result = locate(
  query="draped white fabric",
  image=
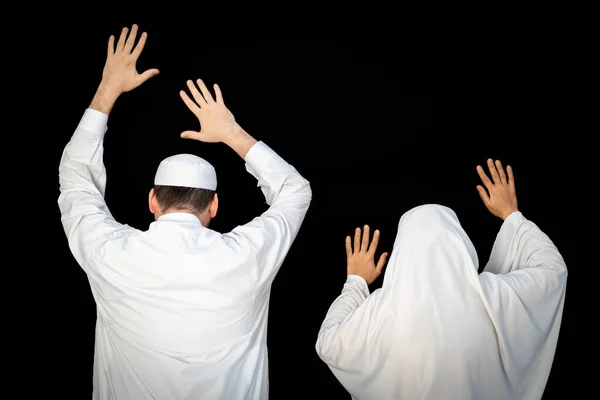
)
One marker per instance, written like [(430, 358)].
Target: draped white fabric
[(437, 329)]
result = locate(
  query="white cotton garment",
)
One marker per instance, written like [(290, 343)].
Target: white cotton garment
[(181, 309), (186, 170), (437, 329)]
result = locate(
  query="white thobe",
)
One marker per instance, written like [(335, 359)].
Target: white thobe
[(181, 309), (437, 329)]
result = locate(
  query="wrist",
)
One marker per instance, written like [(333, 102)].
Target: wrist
[(240, 141), (359, 276), (508, 214), (105, 98)]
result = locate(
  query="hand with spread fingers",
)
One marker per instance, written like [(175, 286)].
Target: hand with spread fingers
[(120, 72), (500, 197), (361, 259), (217, 123)]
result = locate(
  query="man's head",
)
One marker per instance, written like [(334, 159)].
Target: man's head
[(185, 183)]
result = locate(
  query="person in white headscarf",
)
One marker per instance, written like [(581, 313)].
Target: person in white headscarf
[(181, 309), (437, 329)]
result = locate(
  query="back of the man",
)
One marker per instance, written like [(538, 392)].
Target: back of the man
[(179, 314), (181, 310)]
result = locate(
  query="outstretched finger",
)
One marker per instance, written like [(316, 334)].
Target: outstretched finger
[(121, 42), (357, 240), (140, 45), (511, 178), (190, 135), (111, 46), (207, 96), (382, 259), (348, 246), (131, 39), (483, 194), (484, 178), (196, 94), (493, 171), (218, 94), (365, 238), (501, 173), (189, 102), (374, 242), (148, 74)]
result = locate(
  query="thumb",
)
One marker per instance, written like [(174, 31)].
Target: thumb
[(381, 262), (148, 74), (190, 135), (484, 196)]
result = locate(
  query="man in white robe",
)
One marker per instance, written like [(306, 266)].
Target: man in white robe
[(437, 329), (181, 309)]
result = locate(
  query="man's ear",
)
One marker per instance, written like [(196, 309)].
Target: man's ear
[(214, 206), (152, 202)]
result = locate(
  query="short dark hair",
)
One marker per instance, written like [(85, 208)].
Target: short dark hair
[(183, 198)]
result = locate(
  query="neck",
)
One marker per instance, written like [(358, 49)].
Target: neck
[(203, 217)]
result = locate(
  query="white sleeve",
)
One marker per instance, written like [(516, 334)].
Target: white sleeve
[(288, 195), (526, 260), (85, 217), (524, 284), (347, 326)]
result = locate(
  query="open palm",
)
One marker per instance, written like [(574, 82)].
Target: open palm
[(120, 72)]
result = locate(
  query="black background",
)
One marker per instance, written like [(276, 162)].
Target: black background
[(375, 128)]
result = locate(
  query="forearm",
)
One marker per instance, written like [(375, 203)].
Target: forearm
[(338, 332), (288, 195), (536, 249), (104, 99), (521, 244), (81, 166), (240, 141), (355, 291), (82, 178)]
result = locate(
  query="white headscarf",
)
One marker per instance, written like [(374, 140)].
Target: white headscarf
[(439, 330)]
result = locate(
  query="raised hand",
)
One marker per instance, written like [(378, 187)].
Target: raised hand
[(500, 197), (361, 259), (217, 123), (120, 74)]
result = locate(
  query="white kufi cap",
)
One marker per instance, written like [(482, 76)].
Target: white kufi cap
[(186, 170)]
